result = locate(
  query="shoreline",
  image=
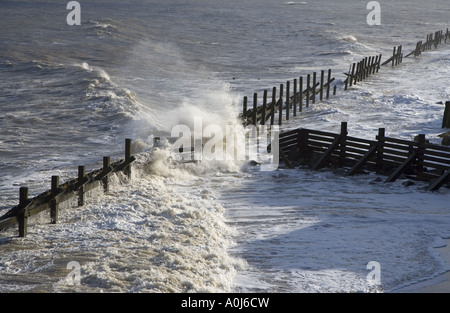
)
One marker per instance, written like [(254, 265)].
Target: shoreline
[(438, 284)]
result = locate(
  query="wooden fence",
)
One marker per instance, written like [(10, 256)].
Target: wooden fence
[(304, 92), (430, 42), (58, 194), (361, 70), (388, 156)]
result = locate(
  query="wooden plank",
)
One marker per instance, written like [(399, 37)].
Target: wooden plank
[(369, 154), (402, 167), (324, 158), (285, 159), (440, 181)]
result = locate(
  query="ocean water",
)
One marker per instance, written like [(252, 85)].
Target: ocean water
[(69, 95)]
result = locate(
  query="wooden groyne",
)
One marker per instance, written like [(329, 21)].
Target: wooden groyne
[(392, 157), (60, 193), (361, 70), (300, 93), (431, 41)]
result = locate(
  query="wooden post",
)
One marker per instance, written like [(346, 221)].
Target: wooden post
[(446, 118), (343, 143), (328, 83), (334, 90), (255, 108), (300, 107), (393, 59), (263, 113), (353, 74), (81, 174), (295, 97), (357, 73), (106, 164), (308, 82), (314, 87), (322, 78), (380, 148), (288, 104), (379, 63), (274, 103), (280, 109), (244, 109), (128, 152), (53, 203), (23, 217), (420, 153), (366, 72)]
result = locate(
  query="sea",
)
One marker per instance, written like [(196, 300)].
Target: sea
[(71, 94)]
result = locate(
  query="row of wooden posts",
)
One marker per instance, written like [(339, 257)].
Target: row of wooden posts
[(418, 160), (361, 70), (59, 193), (430, 42), (304, 92)]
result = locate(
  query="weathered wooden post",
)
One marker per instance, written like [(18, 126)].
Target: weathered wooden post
[(274, 103), (295, 97), (334, 90), (357, 73), (308, 82), (421, 141), (128, 152), (53, 203), (106, 165), (446, 118), (81, 174), (343, 143), (264, 107), (328, 83), (288, 83), (351, 78), (322, 78), (23, 216), (300, 107), (314, 87), (244, 108), (280, 109), (255, 108), (380, 148)]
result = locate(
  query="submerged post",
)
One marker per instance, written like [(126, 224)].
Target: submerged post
[(343, 143), (280, 109), (288, 104), (106, 164), (127, 169), (308, 84), (314, 87), (328, 83), (300, 107), (81, 174), (274, 103), (255, 108), (263, 113), (295, 97), (23, 216), (53, 203)]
